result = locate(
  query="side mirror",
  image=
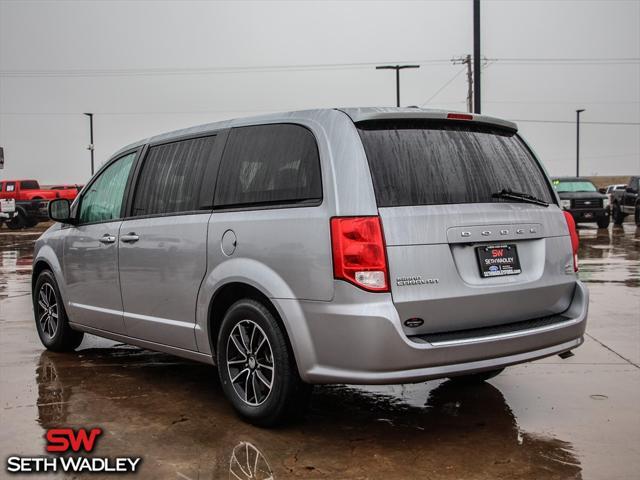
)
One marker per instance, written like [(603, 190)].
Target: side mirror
[(60, 211), (602, 190)]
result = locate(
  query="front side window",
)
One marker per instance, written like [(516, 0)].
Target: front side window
[(563, 186), (103, 201), (171, 177), (269, 165)]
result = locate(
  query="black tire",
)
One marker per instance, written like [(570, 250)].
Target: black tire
[(30, 222), (259, 403), (51, 318), (477, 377), (603, 222), (17, 222), (618, 216)]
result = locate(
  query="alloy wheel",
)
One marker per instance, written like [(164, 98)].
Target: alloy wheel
[(250, 362), (48, 313)]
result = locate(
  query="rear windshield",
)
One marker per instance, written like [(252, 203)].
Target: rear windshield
[(417, 162), (574, 186)]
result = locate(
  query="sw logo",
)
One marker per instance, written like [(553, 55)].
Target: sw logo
[(66, 442), (63, 439)]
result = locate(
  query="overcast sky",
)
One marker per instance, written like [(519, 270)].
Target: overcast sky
[(151, 66)]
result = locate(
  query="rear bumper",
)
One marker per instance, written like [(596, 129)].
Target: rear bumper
[(362, 342)]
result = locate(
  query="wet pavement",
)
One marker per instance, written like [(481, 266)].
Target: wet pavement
[(553, 419)]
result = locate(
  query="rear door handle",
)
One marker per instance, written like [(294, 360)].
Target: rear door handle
[(106, 238), (129, 238)]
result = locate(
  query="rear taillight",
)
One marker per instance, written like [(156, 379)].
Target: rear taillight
[(575, 241), (359, 255)]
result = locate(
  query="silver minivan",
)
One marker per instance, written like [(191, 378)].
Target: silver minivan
[(362, 246)]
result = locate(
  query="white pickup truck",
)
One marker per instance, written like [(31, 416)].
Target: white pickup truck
[(7, 210)]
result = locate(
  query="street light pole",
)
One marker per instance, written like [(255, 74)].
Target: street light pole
[(476, 57), (397, 68), (578, 112), (90, 147)]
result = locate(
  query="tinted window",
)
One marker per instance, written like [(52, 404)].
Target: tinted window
[(574, 186), (29, 185), (269, 164), (171, 177), (429, 163), (103, 200)]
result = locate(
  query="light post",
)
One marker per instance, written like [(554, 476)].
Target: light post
[(397, 68), (90, 147), (578, 112)]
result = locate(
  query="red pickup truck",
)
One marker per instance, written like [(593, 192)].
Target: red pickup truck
[(31, 201), (70, 192)]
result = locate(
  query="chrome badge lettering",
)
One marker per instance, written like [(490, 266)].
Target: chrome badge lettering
[(415, 280)]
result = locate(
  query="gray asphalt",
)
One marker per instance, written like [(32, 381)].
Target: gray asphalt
[(553, 419)]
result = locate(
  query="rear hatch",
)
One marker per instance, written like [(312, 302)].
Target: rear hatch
[(460, 257)]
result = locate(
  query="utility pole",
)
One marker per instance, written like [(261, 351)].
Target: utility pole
[(476, 56), (578, 112), (461, 61), (91, 146), (397, 68)]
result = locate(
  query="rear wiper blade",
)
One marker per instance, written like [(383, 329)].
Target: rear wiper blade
[(521, 197)]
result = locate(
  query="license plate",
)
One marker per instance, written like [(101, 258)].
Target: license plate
[(498, 260), (588, 215)]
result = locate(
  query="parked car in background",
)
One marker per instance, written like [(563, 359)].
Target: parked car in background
[(370, 246), (626, 202), (70, 192), (580, 197), (608, 191), (30, 201)]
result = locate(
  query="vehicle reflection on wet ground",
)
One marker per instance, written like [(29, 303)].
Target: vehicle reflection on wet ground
[(575, 418)]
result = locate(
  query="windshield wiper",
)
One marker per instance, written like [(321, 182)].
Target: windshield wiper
[(519, 196)]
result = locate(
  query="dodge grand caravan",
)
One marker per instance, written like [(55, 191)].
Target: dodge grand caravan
[(363, 246)]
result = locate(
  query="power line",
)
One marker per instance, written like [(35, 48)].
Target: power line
[(572, 122), (575, 102), (202, 71), (570, 59), (447, 83), (115, 72)]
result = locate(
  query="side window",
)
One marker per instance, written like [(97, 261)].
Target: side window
[(103, 201), (269, 165), (171, 176), (10, 187)]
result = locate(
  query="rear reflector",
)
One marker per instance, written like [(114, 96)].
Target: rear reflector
[(575, 240), (459, 116), (359, 255)]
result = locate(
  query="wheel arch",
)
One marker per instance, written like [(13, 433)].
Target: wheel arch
[(46, 259), (225, 296)]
